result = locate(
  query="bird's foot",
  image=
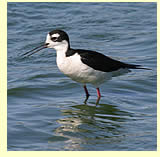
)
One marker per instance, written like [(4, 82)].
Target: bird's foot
[(99, 96), (98, 99), (87, 96)]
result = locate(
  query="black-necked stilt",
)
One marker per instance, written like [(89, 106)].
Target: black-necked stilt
[(83, 66)]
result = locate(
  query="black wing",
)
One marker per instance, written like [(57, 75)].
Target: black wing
[(101, 62)]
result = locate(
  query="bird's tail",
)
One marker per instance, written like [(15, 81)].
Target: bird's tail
[(133, 66)]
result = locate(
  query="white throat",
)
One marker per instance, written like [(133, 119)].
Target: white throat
[(61, 54), (62, 47)]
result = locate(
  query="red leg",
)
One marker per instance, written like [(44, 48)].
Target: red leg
[(98, 93), (99, 96)]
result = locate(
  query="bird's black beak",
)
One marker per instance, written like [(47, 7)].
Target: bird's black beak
[(35, 50)]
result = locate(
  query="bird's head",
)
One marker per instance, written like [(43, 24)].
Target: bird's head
[(56, 39)]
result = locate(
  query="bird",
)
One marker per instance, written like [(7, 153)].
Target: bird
[(81, 65)]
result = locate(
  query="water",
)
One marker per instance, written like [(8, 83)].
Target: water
[(46, 109)]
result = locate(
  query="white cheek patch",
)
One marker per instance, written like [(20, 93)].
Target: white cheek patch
[(55, 35), (48, 38)]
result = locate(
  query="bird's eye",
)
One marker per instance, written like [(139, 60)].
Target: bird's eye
[(54, 38)]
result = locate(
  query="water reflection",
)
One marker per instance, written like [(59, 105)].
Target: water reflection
[(90, 125)]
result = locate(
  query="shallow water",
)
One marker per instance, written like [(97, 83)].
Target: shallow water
[(46, 110)]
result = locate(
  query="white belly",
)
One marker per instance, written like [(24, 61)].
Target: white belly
[(77, 71)]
